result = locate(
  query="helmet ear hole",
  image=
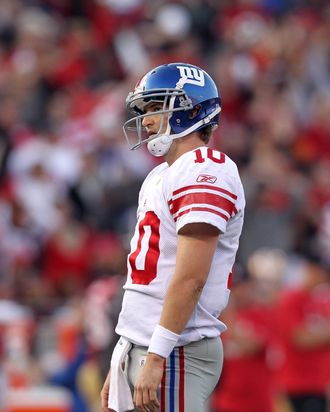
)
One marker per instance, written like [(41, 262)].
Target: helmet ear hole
[(194, 111)]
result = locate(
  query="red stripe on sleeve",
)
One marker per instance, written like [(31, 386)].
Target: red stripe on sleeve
[(211, 199), (216, 189), (201, 209), (181, 383)]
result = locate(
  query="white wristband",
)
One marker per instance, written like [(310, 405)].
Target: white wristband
[(162, 341)]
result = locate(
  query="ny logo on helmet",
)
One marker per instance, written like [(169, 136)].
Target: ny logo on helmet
[(190, 75)]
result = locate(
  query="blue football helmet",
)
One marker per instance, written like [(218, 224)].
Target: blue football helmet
[(190, 102)]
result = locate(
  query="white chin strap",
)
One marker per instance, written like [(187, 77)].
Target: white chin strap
[(159, 146)]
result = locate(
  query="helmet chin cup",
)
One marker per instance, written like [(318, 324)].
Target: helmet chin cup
[(160, 145)]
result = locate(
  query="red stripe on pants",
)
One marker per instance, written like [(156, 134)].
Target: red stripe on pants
[(181, 382)]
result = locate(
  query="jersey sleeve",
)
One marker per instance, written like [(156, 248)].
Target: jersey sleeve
[(207, 192)]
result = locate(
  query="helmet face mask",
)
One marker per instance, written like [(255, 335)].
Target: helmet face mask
[(136, 104), (180, 88)]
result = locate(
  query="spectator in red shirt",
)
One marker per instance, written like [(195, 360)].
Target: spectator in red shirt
[(67, 257), (246, 383), (304, 325)]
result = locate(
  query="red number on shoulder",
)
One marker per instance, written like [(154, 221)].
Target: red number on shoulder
[(214, 155)]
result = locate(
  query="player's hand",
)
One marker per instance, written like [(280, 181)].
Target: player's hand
[(145, 389), (105, 395)]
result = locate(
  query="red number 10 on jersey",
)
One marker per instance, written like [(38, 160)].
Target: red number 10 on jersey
[(214, 155), (144, 259)]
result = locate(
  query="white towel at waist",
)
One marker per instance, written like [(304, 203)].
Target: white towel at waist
[(120, 397)]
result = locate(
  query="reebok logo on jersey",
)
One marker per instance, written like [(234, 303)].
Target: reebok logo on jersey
[(206, 179)]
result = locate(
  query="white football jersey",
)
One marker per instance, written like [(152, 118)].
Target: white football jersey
[(203, 185)]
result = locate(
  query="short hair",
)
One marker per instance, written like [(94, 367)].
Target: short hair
[(205, 133)]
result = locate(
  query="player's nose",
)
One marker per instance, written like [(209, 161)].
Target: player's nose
[(147, 121)]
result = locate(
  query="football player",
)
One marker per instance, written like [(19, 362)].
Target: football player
[(189, 220)]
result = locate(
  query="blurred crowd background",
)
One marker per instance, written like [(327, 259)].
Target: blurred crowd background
[(69, 186)]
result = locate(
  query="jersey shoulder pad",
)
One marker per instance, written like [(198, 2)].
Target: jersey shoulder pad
[(204, 186), (203, 166)]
